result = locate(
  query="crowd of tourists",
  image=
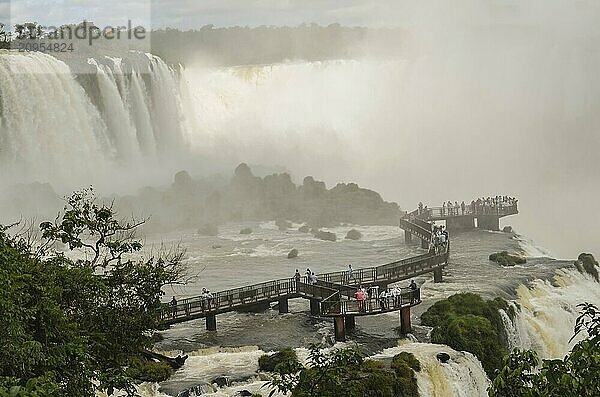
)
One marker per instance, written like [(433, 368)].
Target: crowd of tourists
[(440, 239), (388, 299), (481, 206)]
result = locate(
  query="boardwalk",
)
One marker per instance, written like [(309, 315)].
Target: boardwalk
[(331, 296)]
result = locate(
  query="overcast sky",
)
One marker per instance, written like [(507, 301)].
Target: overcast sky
[(195, 13)]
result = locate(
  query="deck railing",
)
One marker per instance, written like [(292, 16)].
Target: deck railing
[(470, 210), (334, 306)]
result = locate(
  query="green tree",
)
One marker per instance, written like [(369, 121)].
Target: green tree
[(74, 326), (575, 375)]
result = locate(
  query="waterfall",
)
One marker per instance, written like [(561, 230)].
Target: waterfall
[(49, 129), (547, 310), (461, 376), (124, 118)]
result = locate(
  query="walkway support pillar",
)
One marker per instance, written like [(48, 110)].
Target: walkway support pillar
[(339, 328), (350, 322), (211, 322), (407, 237), (405, 326), (424, 244), (437, 275), (315, 309), (488, 222), (283, 306)]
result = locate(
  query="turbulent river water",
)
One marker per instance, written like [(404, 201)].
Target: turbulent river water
[(143, 121), (546, 291)]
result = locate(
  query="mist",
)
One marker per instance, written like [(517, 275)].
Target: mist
[(478, 99)]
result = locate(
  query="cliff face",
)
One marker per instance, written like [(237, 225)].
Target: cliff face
[(246, 197)]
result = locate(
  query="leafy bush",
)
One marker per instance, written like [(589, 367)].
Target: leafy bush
[(284, 357), (149, 371)]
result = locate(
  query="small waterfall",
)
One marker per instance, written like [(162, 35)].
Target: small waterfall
[(462, 376), (547, 311)]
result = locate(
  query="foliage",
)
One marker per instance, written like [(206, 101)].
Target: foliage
[(269, 362), (344, 373), (467, 322), (575, 375), (505, 259), (586, 263), (149, 371), (69, 322)]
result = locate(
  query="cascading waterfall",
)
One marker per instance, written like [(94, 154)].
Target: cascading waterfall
[(125, 117), (461, 376), (49, 129), (546, 312)]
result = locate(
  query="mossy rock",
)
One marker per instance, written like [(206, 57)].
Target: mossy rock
[(268, 362), (586, 263), (327, 236), (406, 358), (353, 234), (293, 253), (505, 259), (304, 229), (246, 230)]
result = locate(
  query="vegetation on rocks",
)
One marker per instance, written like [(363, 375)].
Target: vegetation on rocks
[(467, 322), (323, 235), (505, 259), (523, 375), (71, 327), (344, 372), (285, 357), (293, 253)]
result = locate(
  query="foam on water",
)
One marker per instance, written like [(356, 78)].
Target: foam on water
[(548, 310)]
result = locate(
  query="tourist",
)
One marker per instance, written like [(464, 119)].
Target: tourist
[(414, 291), (463, 206), (313, 279), (211, 299), (174, 306), (297, 276), (360, 297), (350, 273), (382, 299), (308, 273)]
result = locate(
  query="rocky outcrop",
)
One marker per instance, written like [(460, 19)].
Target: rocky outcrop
[(505, 259), (323, 235), (507, 229), (246, 230), (353, 234), (293, 253), (586, 263)]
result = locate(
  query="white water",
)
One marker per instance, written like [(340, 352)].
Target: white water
[(548, 310), (129, 122), (461, 376)]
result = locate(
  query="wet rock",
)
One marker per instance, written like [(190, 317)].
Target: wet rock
[(443, 357), (586, 263), (246, 230), (507, 229), (327, 236), (208, 230), (215, 246), (221, 381), (196, 391), (243, 393), (505, 259), (304, 229), (293, 253), (353, 234)]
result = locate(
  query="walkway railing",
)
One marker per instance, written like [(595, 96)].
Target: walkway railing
[(334, 306), (470, 210)]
